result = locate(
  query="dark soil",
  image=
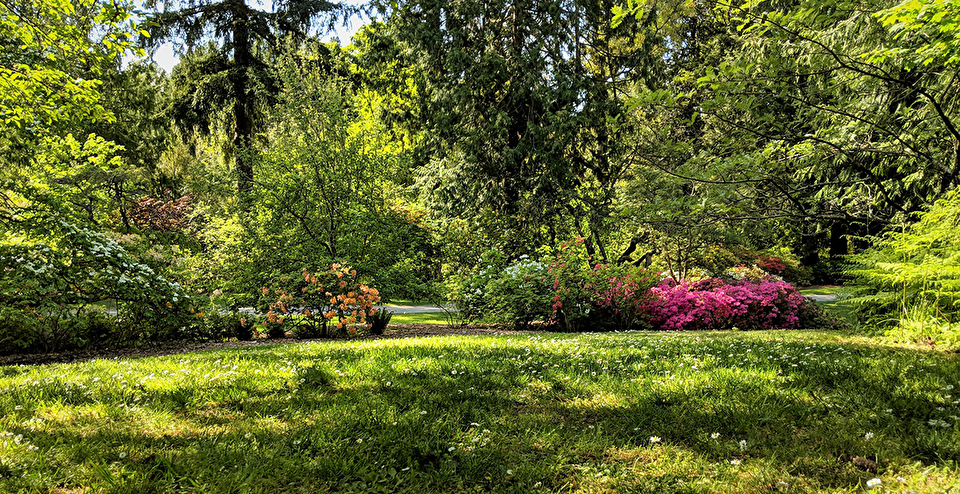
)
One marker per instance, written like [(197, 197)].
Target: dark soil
[(173, 348)]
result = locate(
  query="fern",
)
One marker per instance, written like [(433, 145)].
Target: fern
[(910, 279)]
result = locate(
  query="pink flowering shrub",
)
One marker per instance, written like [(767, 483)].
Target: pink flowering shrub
[(714, 304), (599, 296)]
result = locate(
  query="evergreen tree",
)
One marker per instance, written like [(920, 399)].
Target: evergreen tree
[(241, 36)]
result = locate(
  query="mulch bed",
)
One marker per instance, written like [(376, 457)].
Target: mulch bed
[(174, 348)]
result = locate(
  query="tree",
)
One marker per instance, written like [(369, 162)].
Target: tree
[(239, 38), (818, 116), (520, 106)]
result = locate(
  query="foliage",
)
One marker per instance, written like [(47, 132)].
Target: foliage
[(519, 294), (239, 82), (911, 279), (54, 51), (56, 278), (324, 193), (172, 215), (715, 304), (518, 105), (595, 297)]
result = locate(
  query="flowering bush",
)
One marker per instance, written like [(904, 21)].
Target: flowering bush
[(521, 294), (329, 297), (714, 304), (469, 293), (751, 273), (599, 295), (621, 293), (53, 282)]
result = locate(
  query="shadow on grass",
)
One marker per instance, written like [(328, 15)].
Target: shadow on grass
[(433, 417)]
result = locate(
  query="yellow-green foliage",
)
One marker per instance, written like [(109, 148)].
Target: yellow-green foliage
[(912, 277)]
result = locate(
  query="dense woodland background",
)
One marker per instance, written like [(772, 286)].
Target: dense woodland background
[(455, 146)]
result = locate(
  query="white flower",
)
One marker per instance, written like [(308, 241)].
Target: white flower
[(743, 444), (123, 454), (33, 448), (654, 439), (715, 435), (734, 462), (18, 407), (509, 472), (874, 482), (248, 435), (868, 436), (451, 449), (359, 440)]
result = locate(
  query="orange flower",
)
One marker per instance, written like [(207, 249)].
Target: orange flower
[(353, 272), (352, 331), (264, 290)]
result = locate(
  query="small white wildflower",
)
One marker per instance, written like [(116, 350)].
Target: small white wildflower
[(743, 444), (248, 435), (359, 440), (734, 462), (715, 435), (654, 439), (874, 482), (33, 448), (451, 449), (868, 436), (123, 454), (18, 407), (509, 472), (423, 412)]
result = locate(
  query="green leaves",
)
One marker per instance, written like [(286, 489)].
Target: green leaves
[(928, 32)]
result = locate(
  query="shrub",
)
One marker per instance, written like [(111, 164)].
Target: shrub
[(599, 297), (469, 292), (378, 322), (715, 304), (909, 281), (332, 297), (520, 293)]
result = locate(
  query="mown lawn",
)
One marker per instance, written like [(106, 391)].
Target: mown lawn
[(770, 411)]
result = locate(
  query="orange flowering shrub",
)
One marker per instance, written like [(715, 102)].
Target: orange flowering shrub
[(332, 297)]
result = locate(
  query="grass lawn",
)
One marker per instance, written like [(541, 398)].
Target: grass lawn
[(840, 306), (421, 318), (772, 411)]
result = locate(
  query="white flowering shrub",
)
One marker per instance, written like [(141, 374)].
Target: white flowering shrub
[(522, 294), (518, 292), (49, 283)]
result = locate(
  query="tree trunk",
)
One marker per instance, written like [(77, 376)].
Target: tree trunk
[(243, 118)]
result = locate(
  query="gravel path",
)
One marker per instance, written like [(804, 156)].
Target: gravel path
[(826, 297)]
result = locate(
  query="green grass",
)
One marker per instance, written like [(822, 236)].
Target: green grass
[(421, 318), (840, 307), (772, 411)]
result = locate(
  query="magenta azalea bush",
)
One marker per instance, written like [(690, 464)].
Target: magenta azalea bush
[(715, 304)]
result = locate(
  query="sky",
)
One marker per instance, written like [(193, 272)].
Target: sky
[(166, 58)]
